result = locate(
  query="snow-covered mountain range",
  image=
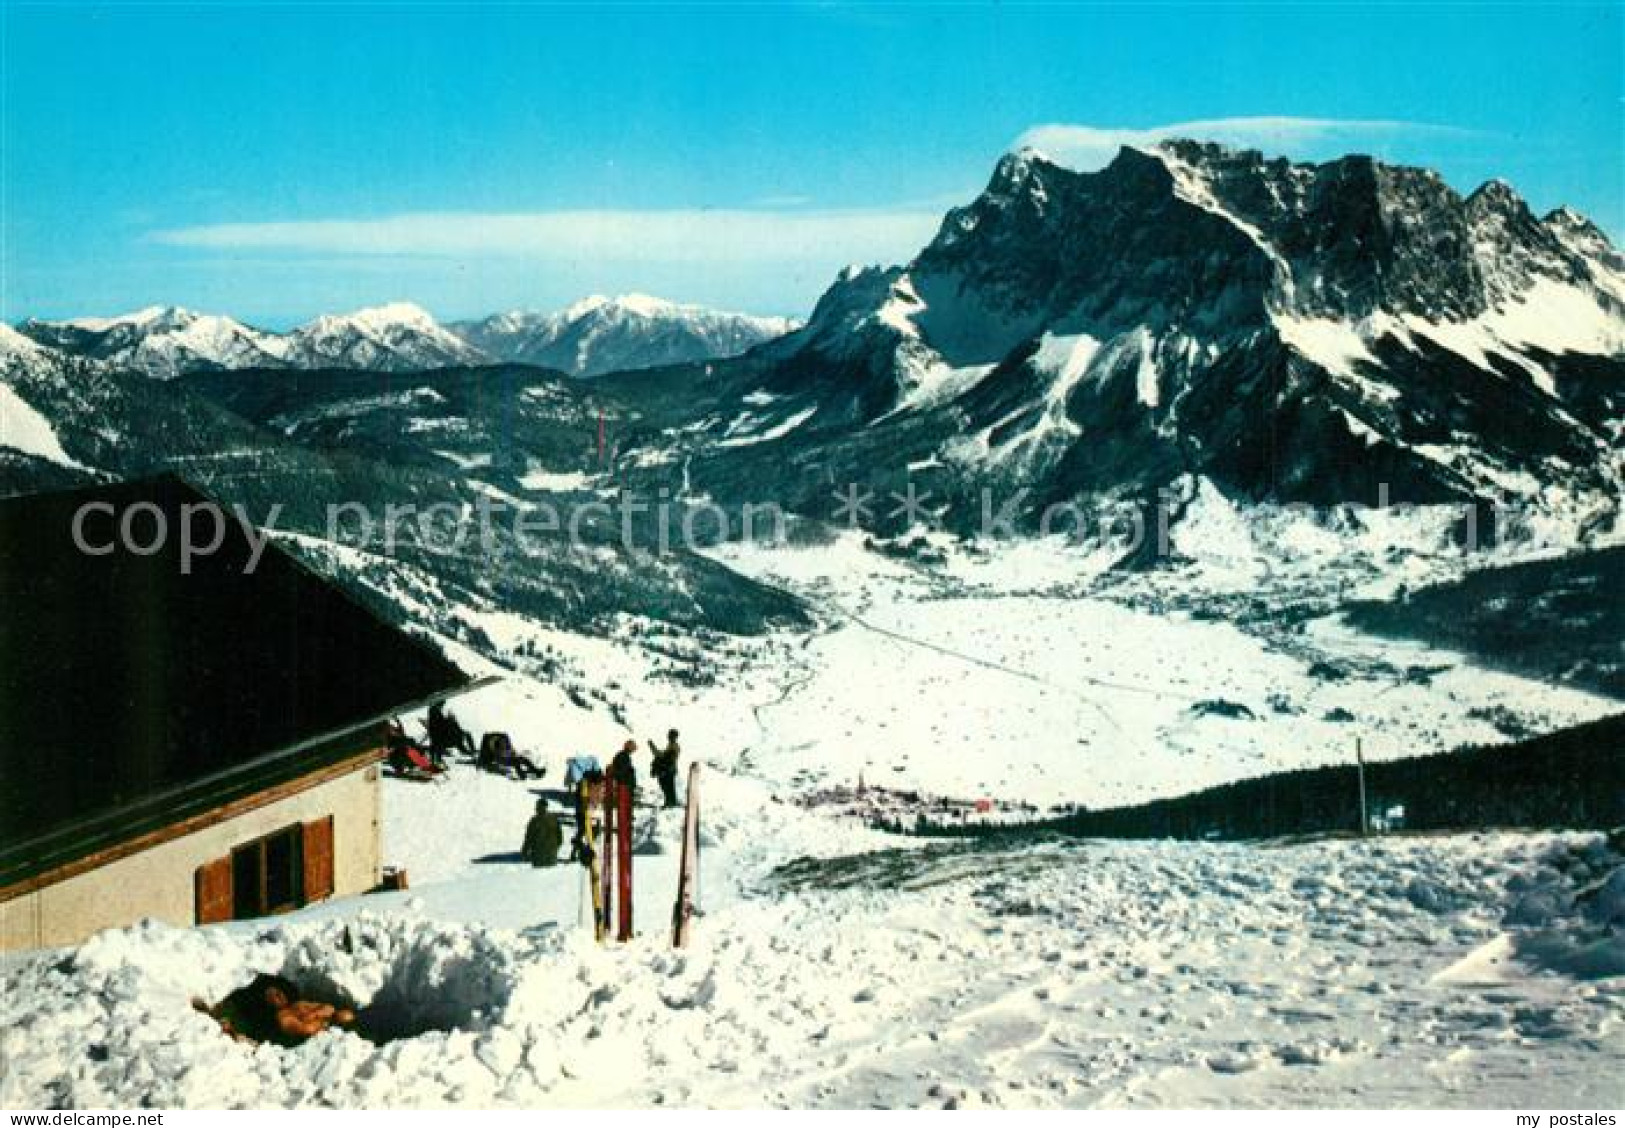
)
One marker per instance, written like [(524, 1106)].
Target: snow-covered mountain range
[(162, 341), (1249, 332), (166, 342), (591, 337), (599, 334), (1330, 334)]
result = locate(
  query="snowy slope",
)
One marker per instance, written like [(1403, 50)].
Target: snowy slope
[(835, 966), (1407, 972), (16, 348), (600, 334), (31, 450), (26, 430)]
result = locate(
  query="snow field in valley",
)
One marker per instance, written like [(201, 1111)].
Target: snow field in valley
[(981, 680)]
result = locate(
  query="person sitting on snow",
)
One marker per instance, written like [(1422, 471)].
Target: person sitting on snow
[(446, 735), (543, 837), (269, 1010), (406, 758), (497, 754)]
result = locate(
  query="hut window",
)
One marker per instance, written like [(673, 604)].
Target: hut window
[(267, 875), (281, 871)]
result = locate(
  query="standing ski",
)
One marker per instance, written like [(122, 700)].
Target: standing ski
[(682, 912), (585, 807), (623, 861), (606, 870)]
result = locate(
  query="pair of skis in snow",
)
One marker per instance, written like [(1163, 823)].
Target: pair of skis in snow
[(610, 875), (615, 859)]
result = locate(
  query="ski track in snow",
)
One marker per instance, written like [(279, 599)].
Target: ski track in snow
[(835, 966)]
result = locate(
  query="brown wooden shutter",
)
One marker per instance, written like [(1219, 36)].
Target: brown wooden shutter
[(214, 891), (318, 854)]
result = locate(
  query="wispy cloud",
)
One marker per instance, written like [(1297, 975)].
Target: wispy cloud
[(1090, 147), (695, 237)]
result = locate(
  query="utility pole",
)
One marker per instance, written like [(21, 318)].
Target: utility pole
[(1359, 767)]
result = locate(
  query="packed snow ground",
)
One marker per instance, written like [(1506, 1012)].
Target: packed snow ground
[(1474, 971), (835, 966)]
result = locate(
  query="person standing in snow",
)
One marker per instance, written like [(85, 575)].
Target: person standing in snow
[(664, 767), (543, 837), (621, 768)]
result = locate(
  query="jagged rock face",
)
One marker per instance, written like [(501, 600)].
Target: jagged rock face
[(599, 335), (1358, 237), (1046, 248), (1319, 333), (1210, 241), (1584, 238)]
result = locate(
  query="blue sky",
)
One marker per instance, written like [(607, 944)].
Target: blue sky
[(276, 161)]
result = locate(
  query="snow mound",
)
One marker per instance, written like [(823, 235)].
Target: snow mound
[(1564, 918), (405, 977), (119, 1018)]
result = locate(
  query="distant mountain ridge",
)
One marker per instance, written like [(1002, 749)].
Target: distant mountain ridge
[(162, 341), (599, 334), (68, 421), (591, 337)]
